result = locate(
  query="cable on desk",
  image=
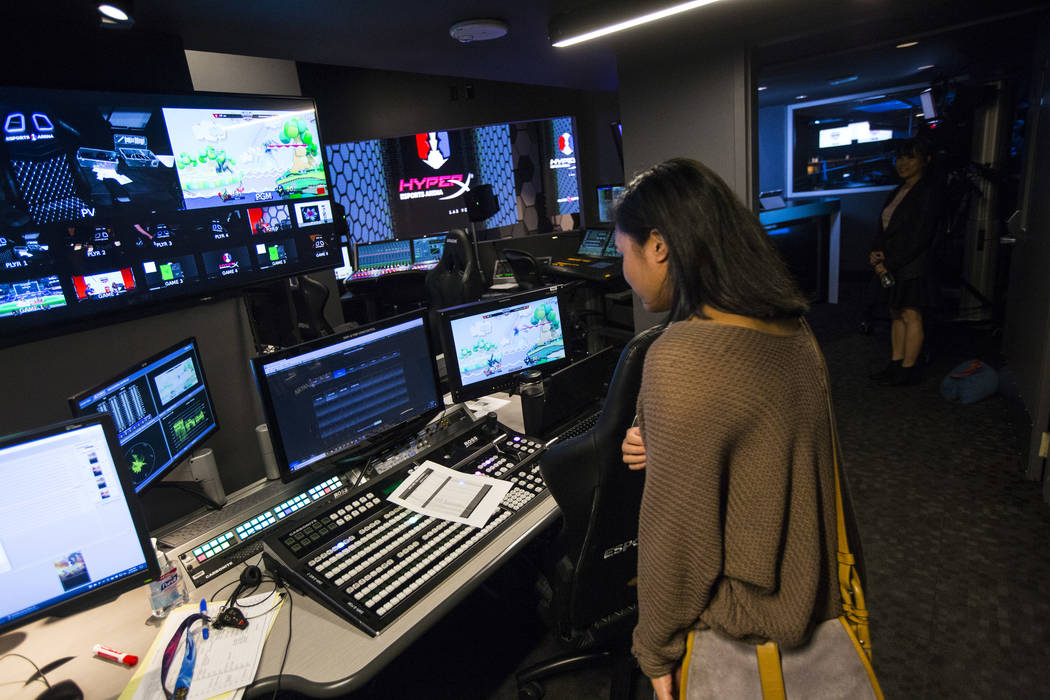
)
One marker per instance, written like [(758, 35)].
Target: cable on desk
[(38, 671), (287, 645)]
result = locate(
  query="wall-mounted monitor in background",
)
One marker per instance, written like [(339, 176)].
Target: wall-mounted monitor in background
[(607, 195), (488, 343), (347, 393), (161, 408), (73, 536), (415, 184), (114, 204), (845, 145)]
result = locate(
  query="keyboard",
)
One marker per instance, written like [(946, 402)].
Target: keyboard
[(579, 428), (369, 560)]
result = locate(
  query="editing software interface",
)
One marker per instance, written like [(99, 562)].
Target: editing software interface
[(325, 398), (594, 242), (161, 408), (487, 343), (427, 251), (72, 533), (110, 200)]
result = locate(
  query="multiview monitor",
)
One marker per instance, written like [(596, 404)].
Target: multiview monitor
[(117, 203), (346, 393), (489, 343), (73, 536), (161, 409)]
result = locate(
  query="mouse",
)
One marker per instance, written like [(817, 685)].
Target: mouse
[(63, 690)]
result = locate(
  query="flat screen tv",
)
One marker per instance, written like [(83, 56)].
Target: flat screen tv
[(121, 202)]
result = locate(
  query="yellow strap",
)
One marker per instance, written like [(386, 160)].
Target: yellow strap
[(769, 671), (684, 682)]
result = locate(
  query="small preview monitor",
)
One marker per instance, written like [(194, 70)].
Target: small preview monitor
[(607, 195), (161, 409), (594, 242), (327, 399), (73, 536), (488, 343), (426, 251)]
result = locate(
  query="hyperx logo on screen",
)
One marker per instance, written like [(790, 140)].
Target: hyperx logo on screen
[(565, 143), (433, 148)]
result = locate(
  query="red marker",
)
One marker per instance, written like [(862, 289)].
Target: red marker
[(120, 657)]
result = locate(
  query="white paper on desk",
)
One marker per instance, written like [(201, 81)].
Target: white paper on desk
[(486, 404), (226, 662), (440, 492)]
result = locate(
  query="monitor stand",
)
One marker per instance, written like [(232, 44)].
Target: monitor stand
[(206, 485)]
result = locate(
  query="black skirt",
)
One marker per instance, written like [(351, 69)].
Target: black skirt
[(909, 294)]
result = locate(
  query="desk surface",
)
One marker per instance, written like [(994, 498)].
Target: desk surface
[(327, 656)]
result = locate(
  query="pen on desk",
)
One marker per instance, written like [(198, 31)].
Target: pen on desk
[(204, 618), (113, 655)]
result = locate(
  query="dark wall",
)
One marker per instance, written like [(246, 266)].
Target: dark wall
[(772, 148), (355, 104)]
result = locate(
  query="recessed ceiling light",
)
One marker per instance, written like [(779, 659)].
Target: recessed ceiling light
[(470, 30), (842, 80), (926, 67), (907, 44), (800, 97), (114, 13), (762, 87), (632, 22), (919, 115)]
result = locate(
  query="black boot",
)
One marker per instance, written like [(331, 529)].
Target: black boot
[(886, 372), (902, 376)]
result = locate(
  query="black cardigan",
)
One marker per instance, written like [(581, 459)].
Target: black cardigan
[(914, 224)]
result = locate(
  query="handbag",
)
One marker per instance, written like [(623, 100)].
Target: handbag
[(835, 663)]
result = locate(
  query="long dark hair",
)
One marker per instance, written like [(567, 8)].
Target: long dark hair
[(718, 252)]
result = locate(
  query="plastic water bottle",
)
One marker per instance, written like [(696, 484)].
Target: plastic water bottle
[(887, 280), (169, 590)]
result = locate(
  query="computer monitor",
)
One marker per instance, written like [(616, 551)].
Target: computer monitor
[(611, 251), (347, 393), (73, 536), (594, 242), (383, 255), (161, 409), (426, 251), (607, 195), (487, 343)]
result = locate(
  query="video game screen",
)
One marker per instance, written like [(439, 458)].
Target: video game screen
[(503, 338), (122, 200)]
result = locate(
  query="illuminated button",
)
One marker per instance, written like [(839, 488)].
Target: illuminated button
[(201, 557)]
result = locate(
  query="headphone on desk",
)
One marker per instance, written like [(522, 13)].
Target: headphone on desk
[(251, 577)]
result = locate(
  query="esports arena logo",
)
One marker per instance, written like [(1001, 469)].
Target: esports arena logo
[(568, 160), (434, 149)]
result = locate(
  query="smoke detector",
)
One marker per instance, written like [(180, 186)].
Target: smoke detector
[(478, 30)]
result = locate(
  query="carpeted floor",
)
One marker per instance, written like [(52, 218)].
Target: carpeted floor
[(957, 545)]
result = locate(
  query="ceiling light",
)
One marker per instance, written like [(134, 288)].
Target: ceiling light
[(470, 30), (926, 67), (114, 13), (762, 87), (842, 80), (801, 97), (630, 23), (907, 44)]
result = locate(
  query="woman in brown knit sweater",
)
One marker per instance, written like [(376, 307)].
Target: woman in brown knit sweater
[(737, 526)]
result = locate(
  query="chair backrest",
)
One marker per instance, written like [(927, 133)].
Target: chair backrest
[(309, 298), (456, 278), (526, 270), (599, 499)]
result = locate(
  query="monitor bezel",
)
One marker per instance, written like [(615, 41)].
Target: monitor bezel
[(138, 367), (504, 381), (266, 399), (109, 591)]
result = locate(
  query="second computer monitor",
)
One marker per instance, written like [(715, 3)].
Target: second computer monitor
[(489, 343), (594, 242), (161, 408), (326, 399)]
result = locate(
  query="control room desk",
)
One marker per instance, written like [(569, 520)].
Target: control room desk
[(328, 656)]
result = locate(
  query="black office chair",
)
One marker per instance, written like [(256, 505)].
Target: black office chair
[(594, 602), (308, 299), (527, 271), (456, 278)]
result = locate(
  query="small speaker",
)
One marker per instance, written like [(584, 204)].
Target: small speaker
[(481, 203), (262, 434), (206, 473)]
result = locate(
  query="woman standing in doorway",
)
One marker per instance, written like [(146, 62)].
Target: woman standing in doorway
[(900, 257)]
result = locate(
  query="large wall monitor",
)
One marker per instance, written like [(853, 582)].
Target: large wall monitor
[(488, 343), (161, 408), (343, 394), (110, 201), (396, 187), (72, 532)]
